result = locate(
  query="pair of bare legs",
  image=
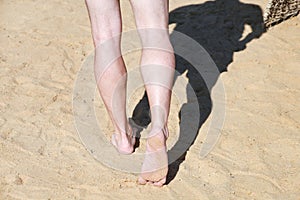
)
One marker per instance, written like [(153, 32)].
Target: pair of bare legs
[(157, 68)]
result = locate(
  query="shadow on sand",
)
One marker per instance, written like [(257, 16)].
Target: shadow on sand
[(218, 27)]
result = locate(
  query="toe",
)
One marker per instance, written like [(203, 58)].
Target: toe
[(160, 183), (142, 181)]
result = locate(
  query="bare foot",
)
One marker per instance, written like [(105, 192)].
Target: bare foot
[(155, 165), (124, 143)]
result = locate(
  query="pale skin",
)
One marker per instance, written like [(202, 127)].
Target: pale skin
[(157, 68)]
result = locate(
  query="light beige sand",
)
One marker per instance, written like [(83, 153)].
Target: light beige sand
[(42, 47)]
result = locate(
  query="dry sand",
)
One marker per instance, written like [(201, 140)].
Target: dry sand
[(43, 44)]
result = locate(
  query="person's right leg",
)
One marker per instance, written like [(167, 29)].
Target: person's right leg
[(157, 67)]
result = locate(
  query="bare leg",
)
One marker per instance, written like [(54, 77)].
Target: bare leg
[(157, 67), (110, 71)]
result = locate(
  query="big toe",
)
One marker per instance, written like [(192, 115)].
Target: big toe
[(142, 181)]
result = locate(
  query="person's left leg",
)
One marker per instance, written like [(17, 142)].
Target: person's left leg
[(110, 71)]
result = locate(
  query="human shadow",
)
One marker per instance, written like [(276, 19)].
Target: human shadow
[(218, 26)]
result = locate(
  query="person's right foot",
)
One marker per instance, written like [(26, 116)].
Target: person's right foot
[(155, 165)]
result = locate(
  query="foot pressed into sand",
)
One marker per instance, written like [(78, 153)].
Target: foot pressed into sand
[(124, 143), (155, 165)]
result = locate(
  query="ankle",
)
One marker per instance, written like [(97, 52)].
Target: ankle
[(159, 131), (123, 132), (157, 140)]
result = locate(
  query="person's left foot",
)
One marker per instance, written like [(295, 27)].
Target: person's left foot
[(124, 143)]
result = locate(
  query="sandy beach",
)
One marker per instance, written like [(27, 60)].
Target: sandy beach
[(43, 45)]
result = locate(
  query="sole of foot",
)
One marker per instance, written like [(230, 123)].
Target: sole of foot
[(155, 165)]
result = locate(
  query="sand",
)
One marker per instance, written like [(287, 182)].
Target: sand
[(43, 45)]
